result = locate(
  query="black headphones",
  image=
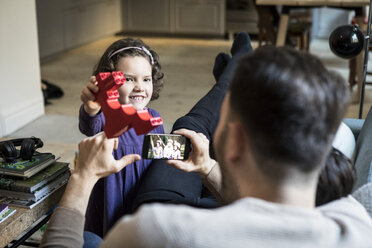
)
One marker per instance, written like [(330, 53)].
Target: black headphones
[(9, 152)]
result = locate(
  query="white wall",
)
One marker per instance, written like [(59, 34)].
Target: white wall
[(325, 20), (21, 100)]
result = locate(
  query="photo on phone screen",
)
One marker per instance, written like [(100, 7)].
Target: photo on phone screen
[(165, 146)]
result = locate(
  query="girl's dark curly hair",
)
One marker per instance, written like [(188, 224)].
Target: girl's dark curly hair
[(336, 178), (107, 64)]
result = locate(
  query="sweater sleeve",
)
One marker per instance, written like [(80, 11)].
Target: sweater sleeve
[(65, 229), (90, 125)]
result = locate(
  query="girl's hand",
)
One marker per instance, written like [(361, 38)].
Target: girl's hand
[(199, 160), (88, 97)]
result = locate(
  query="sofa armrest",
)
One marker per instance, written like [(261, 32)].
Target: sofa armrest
[(363, 154)]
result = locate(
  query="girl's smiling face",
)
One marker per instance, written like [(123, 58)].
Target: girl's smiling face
[(137, 89)]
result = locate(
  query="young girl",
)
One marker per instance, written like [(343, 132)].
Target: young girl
[(112, 196)]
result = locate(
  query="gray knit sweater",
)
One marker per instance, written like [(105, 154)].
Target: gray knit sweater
[(248, 222)]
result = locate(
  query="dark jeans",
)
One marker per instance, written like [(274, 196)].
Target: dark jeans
[(91, 240), (166, 184)]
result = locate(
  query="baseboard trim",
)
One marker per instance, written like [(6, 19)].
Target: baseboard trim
[(18, 118)]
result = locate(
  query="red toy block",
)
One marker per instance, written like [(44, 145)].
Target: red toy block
[(120, 118)]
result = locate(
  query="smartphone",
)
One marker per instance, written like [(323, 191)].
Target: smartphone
[(165, 146)]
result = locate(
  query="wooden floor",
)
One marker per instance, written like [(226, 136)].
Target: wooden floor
[(187, 64)]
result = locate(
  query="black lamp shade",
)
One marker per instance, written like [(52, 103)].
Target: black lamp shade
[(346, 41)]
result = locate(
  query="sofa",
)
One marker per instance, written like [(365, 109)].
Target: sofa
[(362, 158)]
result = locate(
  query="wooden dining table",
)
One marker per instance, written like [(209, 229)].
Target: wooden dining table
[(356, 5), (337, 3)]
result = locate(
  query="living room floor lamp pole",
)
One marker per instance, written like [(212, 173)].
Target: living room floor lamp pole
[(347, 41)]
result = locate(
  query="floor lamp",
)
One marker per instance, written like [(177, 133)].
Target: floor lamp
[(347, 42)]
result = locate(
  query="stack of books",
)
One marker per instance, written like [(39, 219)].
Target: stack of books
[(5, 212), (25, 183)]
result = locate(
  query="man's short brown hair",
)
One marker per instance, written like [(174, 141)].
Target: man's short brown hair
[(291, 106)]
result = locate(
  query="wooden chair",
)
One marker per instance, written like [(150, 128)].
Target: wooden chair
[(299, 26)]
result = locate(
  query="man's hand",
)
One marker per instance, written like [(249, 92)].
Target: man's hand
[(94, 161), (199, 160), (95, 158)]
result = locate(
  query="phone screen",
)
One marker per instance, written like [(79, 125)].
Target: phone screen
[(165, 146)]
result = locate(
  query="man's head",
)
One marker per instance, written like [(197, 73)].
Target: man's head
[(289, 108)]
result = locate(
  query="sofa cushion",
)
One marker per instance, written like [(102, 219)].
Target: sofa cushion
[(363, 155), (344, 141), (355, 125)]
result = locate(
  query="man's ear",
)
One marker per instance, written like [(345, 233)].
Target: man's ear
[(236, 142)]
